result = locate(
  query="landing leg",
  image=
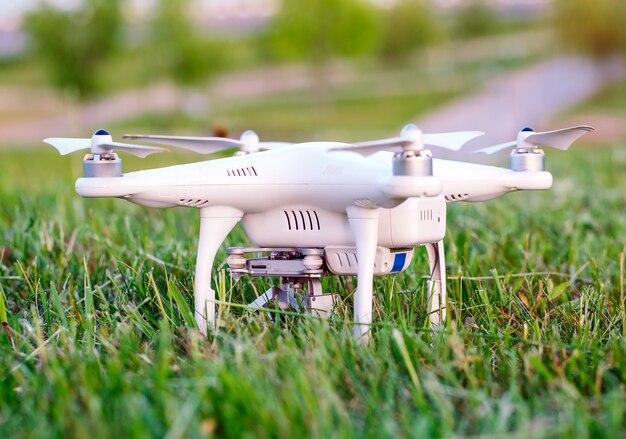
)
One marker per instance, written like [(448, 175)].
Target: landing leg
[(215, 224), (437, 283), (364, 224)]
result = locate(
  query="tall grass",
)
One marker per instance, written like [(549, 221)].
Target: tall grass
[(98, 337)]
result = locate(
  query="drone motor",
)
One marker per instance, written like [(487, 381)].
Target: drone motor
[(413, 160), (102, 165)]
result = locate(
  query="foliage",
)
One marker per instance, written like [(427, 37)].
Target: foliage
[(474, 19), (408, 26), (316, 30), (595, 27), (98, 293), (75, 43), (182, 52)]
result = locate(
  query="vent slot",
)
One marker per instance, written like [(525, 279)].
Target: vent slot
[(302, 220), (347, 259), (193, 202), (248, 171), (288, 222), (456, 197), (426, 215)]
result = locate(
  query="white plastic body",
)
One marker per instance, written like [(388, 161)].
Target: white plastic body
[(305, 196), (306, 175)]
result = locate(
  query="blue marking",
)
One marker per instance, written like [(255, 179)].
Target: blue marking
[(528, 129), (101, 133), (398, 262)]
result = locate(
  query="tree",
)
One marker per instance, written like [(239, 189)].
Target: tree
[(594, 27), (73, 44), (409, 25), (318, 30), (474, 19), (182, 52)]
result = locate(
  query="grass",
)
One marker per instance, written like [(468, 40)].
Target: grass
[(96, 340)]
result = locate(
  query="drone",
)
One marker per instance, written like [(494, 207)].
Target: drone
[(318, 208)]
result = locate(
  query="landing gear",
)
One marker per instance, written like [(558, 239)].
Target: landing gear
[(299, 269), (436, 284), (299, 294)]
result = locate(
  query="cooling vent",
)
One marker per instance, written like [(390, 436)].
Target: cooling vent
[(456, 197), (347, 259), (333, 170), (426, 215), (364, 202), (248, 171), (191, 202), (302, 219)]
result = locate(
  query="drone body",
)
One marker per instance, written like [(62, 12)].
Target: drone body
[(318, 208)]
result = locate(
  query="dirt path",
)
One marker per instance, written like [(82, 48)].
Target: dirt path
[(529, 97)]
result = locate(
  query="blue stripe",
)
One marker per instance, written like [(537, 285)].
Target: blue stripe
[(398, 262)]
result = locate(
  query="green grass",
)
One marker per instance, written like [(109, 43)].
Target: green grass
[(97, 295)]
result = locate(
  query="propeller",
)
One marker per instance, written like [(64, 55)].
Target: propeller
[(412, 139), (528, 139), (247, 143), (100, 143)]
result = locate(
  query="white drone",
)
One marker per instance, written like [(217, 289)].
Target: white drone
[(318, 208)]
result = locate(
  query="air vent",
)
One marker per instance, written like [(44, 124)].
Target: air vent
[(426, 215), (193, 202), (347, 259), (333, 170), (364, 202), (456, 197), (248, 171), (302, 219)]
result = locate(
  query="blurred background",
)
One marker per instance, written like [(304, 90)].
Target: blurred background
[(295, 70)]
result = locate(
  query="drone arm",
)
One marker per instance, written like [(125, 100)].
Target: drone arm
[(437, 283), (215, 224), (364, 225)]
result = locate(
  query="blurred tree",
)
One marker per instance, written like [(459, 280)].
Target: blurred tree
[(74, 43), (408, 26), (182, 52), (596, 27), (318, 30), (474, 19)]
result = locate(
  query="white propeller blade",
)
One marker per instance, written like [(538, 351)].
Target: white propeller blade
[(496, 148), (67, 146), (201, 145), (559, 139), (453, 141), (209, 145), (374, 146), (137, 150)]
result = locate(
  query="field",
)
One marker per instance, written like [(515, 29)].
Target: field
[(96, 297)]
